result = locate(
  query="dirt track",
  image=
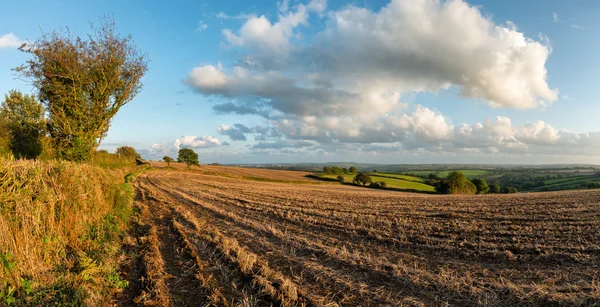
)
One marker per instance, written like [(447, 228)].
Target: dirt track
[(210, 240)]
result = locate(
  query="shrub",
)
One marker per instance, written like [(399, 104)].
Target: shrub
[(353, 170), (378, 185), (24, 117), (340, 178), (127, 151), (495, 188)]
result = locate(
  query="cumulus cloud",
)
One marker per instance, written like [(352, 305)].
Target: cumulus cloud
[(344, 87), (189, 141), (9, 41)]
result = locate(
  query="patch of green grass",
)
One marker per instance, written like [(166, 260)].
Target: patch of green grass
[(391, 182), (397, 176)]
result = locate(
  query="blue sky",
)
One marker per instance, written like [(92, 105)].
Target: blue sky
[(414, 81)]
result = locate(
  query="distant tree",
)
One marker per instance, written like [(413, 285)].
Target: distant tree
[(362, 179), (24, 117), (128, 152), (481, 185), (188, 156), (83, 83), (456, 183), (336, 170), (340, 178), (434, 177), (374, 171), (495, 188), (378, 185), (168, 160), (510, 190), (344, 170), (327, 170), (353, 170)]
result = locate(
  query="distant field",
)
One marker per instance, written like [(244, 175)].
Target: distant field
[(403, 177), (469, 173), (392, 183)]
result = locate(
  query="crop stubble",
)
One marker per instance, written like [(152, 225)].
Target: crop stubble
[(249, 243)]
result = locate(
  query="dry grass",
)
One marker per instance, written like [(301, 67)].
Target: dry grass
[(334, 245), (58, 228)]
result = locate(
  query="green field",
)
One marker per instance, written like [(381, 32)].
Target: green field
[(397, 176), (391, 182), (469, 173)]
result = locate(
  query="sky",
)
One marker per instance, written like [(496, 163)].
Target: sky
[(401, 81)]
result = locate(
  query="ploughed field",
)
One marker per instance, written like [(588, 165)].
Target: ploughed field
[(214, 240)]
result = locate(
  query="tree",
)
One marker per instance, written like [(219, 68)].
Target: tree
[(340, 178), (481, 185), (327, 170), (362, 179), (456, 183), (168, 160), (344, 170), (24, 117), (495, 188), (188, 156), (510, 190), (83, 83), (353, 170)]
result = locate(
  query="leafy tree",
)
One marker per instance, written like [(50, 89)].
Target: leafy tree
[(340, 178), (188, 156), (481, 185), (168, 160), (83, 83), (327, 170), (378, 185), (362, 179), (127, 151), (510, 190), (495, 188), (24, 117), (456, 183), (4, 136), (353, 170), (344, 170), (336, 170)]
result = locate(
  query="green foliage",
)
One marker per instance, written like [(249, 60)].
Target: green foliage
[(495, 188), (362, 179), (481, 185), (128, 152), (168, 160), (107, 160), (510, 190), (340, 178), (456, 183), (592, 185), (188, 156), (378, 185), (24, 117), (83, 84), (353, 170)]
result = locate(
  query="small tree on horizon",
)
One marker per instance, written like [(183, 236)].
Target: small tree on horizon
[(168, 160), (188, 156), (481, 185), (353, 170)]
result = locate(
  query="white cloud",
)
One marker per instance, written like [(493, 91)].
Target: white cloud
[(9, 41), (189, 141), (202, 26), (555, 17)]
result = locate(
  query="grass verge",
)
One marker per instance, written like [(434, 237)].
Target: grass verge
[(61, 226)]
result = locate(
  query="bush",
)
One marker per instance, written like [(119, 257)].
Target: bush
[(378, 185), (24, 118), (340, 178), (168, 160), (353, 170), (495, 188)]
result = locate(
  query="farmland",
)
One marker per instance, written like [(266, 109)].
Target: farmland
[(208, 239), (401, 182)]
